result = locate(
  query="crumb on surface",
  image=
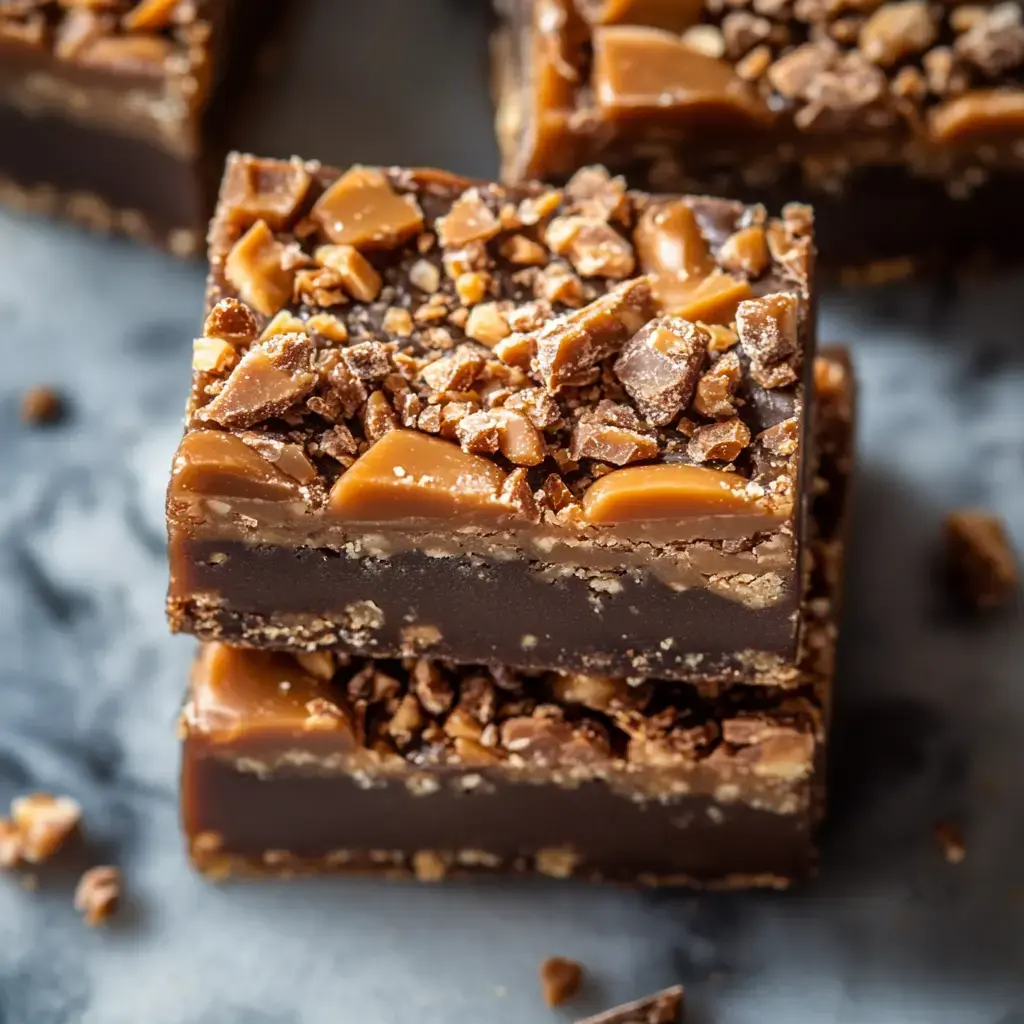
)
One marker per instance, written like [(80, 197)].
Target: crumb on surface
[(42, 404), (98, 894), (560, 979)]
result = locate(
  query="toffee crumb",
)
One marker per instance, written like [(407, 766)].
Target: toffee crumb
[(42, 405), (560, 979)]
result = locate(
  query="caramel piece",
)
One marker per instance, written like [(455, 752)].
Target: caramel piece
[(149, 15), (216, 464), (268, 190), (560, 979), (646, 72), (745, 252), (769, 334), (283, 323), (231, 320), (982, 112), (719, 442), (409, 475), (898, 30), (593, 247), (582, 339), (713, 300), (362, 209), (270, 378), (668, 240), (664, 492), (255, 269), (981, 558), (673, 15), (236, 691), (468, 220), (358, 277)]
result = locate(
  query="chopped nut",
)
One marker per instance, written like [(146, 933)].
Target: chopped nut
[(231, 321), (659, 367), (560, 980), (995, 45), (397, 321), (41, 404), (357, 274), (593, 192), (98, 894), (319, 664), (328, 326), (717, 387), (556, 283), (378, 417), (44, 823), (754, 65), (524, 251), (454, 372), (468, 220), (283, 323), (338, 442), (502, 430), (368, 360), (981, 559), (593, 247), (515, 491), (612, 434), (487, 324), (212, 355), (407, 722), (255, 267), (471, 287), (434, 692), (425, 276), (719, 442)]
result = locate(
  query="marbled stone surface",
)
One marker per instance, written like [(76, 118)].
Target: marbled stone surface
[(929, 716)]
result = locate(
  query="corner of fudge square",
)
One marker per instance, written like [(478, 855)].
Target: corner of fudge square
[(418, 398)]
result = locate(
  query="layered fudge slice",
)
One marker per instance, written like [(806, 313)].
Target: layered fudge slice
[(110, 111), (318, 762), (902, 121), (547, 428)]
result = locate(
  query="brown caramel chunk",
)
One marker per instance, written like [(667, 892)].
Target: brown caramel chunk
[(593, 247), (664, 492), (669, 240), (212, 355), (641, 71), (745, 252), (357, 274), (267, 190), (454, 372), (981, 558), (468, 220), (897, 30), (232, 321), (216, 464), (410, 475), (502, 430), (593, 192), (98, 894), (979, 113), (378, 417), (783, 438), (719, 442), (362, 209), (560, 979), (487, 324), (711, 300), (270, 378), (149, 15), (717, 387), (611, 433), (659, 367), (40, 405), (673, 15), (287, 457), (768, 332), (44, 824), (581, 339), (255, 268)]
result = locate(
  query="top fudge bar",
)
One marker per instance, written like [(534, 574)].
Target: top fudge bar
[(909, 104), (549, 428)]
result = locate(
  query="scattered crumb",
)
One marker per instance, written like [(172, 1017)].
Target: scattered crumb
[(951, 839), (981, 559), (560, 979), (41, 404), (664, 1007), (98, 893), (43, 824)]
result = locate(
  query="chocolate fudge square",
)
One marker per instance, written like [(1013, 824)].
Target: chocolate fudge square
[(547, 428)]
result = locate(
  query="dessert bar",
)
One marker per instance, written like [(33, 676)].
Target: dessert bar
[(320, 763), (111, 113), (902, 122), (538, 427)]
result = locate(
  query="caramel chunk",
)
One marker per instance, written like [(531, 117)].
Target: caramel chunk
[(717, 387), (719, 442), (745, 252), (711, 300), (659, 367), (270, 378), (212, 355), (410, 475), (357, 274), (581, 339), (149, 15), (503, 430), (468, 220), (232, 321), (981, 558), (611, 433), (98, 894), (767, 329), (669, 240), (454, 372), (897, 30), (979, 113), (267, 190), (641, 71), (362, 209), (673, 15), (44, 823), (283, 323), (217, 464), (783, 438), (560, 979), (255, 268), (593, 192), (593, 247), (664, 492)]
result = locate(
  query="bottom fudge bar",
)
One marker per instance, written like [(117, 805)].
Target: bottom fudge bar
[(317, 762)]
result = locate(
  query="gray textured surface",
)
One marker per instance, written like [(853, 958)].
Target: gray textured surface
[(930, 712)]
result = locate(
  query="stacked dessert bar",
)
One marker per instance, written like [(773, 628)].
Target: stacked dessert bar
[(511, 522)]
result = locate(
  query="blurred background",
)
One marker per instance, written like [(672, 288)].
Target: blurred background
[(929, 715)]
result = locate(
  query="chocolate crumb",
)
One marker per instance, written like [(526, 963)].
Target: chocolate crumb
[(951, 839), (981, 560), (560, 979), (98, 894), (41, 405), (664, 1007)]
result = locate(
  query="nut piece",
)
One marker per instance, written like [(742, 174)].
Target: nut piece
[(41, 404), (897, 30), (267, 190), (45, 823), (981, 559), (468, 220), (362, 209), (581, 339), (612, 434), (717, 388), (212, 355), (148, 15), (659, 367), (255, 268), (719, 442), (358, 277), (593, 247), (669, 240), (98, 894), (270, 378), (231, 320), (487, 324), (768, 328), (560, 979)]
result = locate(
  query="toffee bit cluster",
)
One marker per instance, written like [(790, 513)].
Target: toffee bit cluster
[(560, 333)]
